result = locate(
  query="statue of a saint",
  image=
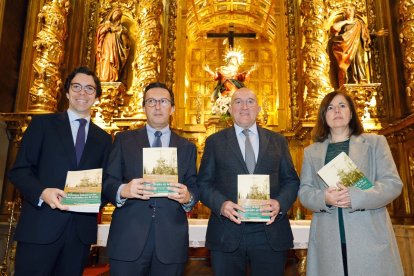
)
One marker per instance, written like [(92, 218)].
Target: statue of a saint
[(350, 46), (228, 76), (112, 47)]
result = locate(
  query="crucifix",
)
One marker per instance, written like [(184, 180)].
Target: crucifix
[(231, 35)]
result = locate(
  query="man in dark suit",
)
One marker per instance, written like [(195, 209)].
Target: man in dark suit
[(149, 236), (51, 240), (233, 243)]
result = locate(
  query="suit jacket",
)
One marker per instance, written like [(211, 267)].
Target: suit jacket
[(47, 153), (131, 222), (370, 239), (222, 162)]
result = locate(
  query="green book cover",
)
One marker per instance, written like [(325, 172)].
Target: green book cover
[(160, 168), (83, 190), (253, 191), (342, 169)]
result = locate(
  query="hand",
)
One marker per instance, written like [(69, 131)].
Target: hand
[(136, 188), (271, 208), (53, 197), (180, 193), (338, 197), (229, 210)]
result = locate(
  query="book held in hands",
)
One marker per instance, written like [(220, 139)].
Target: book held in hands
[(342, 169), (252, 192), (160, 169), (83, 190)]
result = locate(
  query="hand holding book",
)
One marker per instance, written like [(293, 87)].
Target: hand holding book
[(338, 197)]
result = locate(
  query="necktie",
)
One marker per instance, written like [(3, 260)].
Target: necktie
[(80, 139), (249, 156), (157, 140)]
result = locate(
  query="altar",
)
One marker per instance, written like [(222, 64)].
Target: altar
[(198, 228), (197, 237)]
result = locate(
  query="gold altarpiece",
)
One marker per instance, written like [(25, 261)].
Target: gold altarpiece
[(169, 44)]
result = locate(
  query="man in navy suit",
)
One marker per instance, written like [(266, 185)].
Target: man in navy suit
[(51, 240), (149, 236), (235, 244)]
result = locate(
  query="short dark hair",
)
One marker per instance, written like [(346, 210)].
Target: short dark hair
[(86, 71), (321, 130), (158, 85)]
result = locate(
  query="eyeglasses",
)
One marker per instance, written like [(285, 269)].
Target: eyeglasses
[(249, 103), (151, 102), (77, 87)]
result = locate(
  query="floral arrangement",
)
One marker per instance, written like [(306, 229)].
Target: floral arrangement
[(221, 106)]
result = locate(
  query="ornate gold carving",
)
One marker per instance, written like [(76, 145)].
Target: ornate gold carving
[(49, 56), (293, 61), (148, 52), (407, 42), (110, 100), (93, 8), (16, 125), (315, 57), (171, 41)]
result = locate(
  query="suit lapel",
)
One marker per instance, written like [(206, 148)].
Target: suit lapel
[(318, 154), (234, 145), (263, 143), (358, 151), (65, 133)]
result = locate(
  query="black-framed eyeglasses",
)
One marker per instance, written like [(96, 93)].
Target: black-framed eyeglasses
[(151, 102), (77, 87), (249, 102)]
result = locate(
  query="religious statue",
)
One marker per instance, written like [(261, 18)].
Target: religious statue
[(228, 76), (112, 47), (350, 46)]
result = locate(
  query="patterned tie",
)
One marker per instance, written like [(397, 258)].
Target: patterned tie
[(157, 140), (249, 156), (80, 139)]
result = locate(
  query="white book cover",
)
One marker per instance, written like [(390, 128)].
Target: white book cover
[(160, 166), (342, 169), (83, 190), (253, 191)]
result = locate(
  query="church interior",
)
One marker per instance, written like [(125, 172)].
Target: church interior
[(285, 49)]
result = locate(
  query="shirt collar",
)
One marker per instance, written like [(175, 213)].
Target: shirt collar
[(73, 116), (252, 129), (165, 130)]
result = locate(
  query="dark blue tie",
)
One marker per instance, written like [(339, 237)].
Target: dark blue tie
[(157, 140), (80, 139)]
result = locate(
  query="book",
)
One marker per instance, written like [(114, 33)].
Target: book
[(343, 169), (252, 192), (161, 168), (83, 190)]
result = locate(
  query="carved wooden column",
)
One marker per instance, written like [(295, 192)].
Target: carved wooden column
[(148, 52), (49, 55), (407, 42), (315, 57)]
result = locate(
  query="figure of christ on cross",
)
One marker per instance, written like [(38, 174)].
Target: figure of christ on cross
[(228, 76)]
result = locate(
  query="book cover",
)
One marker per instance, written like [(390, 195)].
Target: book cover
[(343, 169), (253, 190), (160, 165), (83, 190)]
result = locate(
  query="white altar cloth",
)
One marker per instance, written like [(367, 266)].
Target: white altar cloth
[(198, 228)]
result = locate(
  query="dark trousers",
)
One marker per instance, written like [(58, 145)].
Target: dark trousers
[(146, 264), (65, 257), (255, 252)]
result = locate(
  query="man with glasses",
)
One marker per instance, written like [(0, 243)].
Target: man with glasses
[(227, 154), (51, 240), (149, 236)]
